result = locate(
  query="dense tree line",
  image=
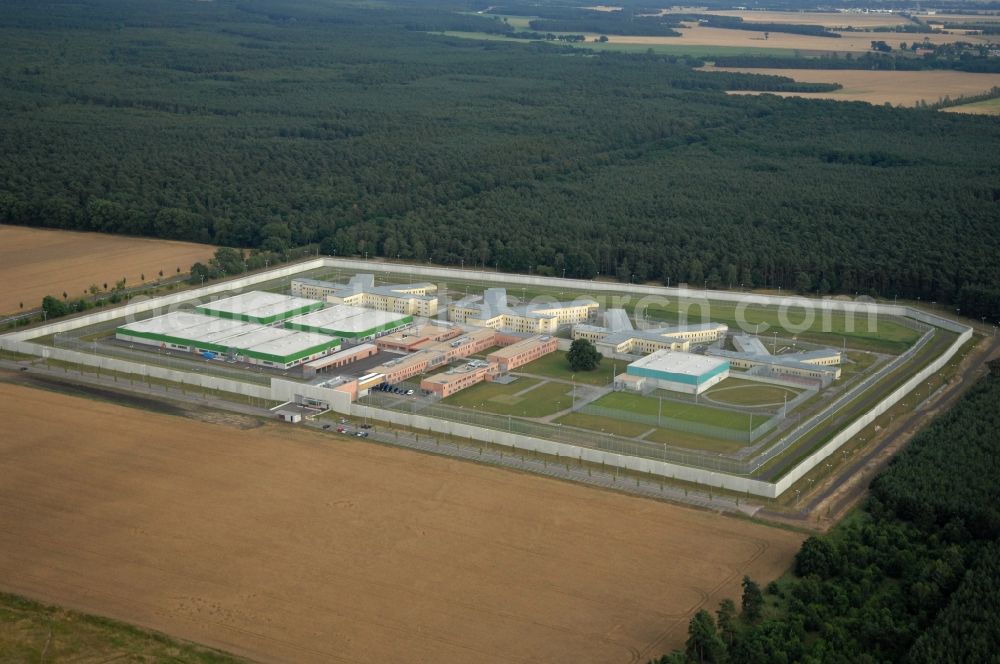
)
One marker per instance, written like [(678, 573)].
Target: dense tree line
[(610, 23), (942, 58), (278, 123), (914, 577)]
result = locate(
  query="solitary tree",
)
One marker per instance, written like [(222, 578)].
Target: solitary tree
[(583, 356), (753, 600)]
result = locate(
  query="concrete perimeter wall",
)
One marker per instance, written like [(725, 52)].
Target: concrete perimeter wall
[(125, 366), (857, 425), (528, 443), (284, 390), (160, 304)]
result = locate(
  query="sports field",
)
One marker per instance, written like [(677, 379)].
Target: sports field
[(626, 429), (539, 401), (36, 262), (627, 402), (899, 88), (281, 544), (741, 392)]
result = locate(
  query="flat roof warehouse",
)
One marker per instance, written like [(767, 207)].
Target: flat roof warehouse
[(196, 332), (259, 307), (345, 320)]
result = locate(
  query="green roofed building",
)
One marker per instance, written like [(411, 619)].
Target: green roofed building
[(349, 322), (247, 342), (259, 307)]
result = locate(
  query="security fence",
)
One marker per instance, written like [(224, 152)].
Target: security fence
[(565, 434)]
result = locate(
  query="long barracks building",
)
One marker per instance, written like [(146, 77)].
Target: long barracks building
[(418, 299), (492, 310)]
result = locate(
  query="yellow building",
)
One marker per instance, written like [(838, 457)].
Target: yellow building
[(417, 299), (644, 342), (494, 312)]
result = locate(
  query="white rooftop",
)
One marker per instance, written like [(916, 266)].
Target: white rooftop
[(347, 318), (259, 304), (190, 325), (291, 342), (678, 362)]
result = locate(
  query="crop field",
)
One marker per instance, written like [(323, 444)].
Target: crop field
[(555, 365), (281, 544), (899, 88), (849, 42), (986, 107), (748, 393), (47, 262), (688, 412), (825, 19)]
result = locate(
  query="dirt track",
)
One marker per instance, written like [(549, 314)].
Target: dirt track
[(285, 545), (46, 262)]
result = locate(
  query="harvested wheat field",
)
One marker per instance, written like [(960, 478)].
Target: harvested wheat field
[(899, 88), (36, 262), (854, 42), (825, 19), (282, 544)]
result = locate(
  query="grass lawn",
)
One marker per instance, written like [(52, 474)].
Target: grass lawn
[(688, 412), (861, 363), (481, 355), (502, 399), (748, 393), (34, 632), (555, 365), (625, 429), (882, 334), (694, 442)]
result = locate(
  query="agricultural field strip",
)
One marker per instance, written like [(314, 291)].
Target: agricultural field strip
[(149, 532)]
